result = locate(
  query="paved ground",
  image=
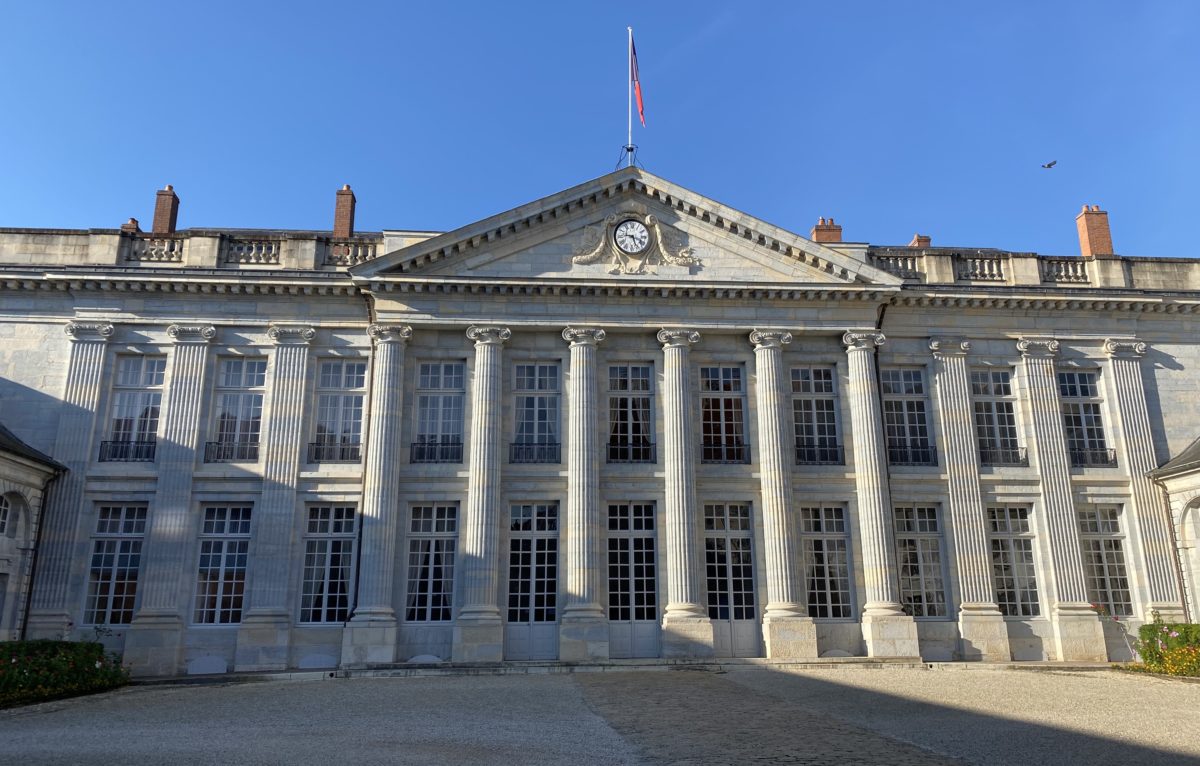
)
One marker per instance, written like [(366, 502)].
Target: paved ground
[(837, 716)]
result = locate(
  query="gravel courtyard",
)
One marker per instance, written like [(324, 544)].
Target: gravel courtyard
[(842, 716)]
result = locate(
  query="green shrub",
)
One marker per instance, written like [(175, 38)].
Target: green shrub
[(1170, 648), (35, 671)]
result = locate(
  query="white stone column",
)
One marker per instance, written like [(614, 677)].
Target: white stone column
[(153, 644), (264, 635), (1078, 634), (983, 634), (370, 636), (887, 630), (478, 629), (788, 631), (583, 630), (52, 609), (687, 631), (1151, 514)]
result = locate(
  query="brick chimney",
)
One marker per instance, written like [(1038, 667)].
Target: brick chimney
[(921, 240), (343, 214), (166, 211), (1094, 237), (826, 231), (131, 226)]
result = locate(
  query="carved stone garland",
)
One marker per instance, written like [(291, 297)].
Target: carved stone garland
[(667, 246)]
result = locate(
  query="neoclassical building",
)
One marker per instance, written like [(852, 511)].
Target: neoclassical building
[(620, 421)]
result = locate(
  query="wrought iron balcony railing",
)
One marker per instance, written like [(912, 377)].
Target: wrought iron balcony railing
[(127, 452), (230, 452), (724, 452), (631, 452), (822, 454), (436, 452), (1017, 457), (909, 454), (535, 453), (319, 452), (1082, 458)]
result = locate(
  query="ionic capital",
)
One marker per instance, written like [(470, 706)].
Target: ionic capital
[(192, 333), (677, 338), (1129, 348), (863, 340), (390, 333), (583, 336), (770, 338), (291, 335), (488, 336), (1040, 346), (90, 331), (949, 346)]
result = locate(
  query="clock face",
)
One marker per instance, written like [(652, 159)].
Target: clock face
[(631, 236)]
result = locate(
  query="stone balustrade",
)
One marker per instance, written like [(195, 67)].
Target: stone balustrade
[(251, 251)]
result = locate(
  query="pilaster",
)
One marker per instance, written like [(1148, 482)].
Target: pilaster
[(264, 635), (1150, 512), (788, 631), (154, 641), (50, 616), (887, 630), (583, 630), (370, 636), (983, 634), (1078, 634), (686, 628), (478, 629)]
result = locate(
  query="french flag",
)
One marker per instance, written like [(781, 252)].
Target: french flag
[(637, 83)]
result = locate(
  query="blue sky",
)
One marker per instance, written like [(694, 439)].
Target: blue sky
[(892, 117)]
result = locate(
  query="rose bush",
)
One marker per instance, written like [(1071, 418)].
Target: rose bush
[(36, 671)]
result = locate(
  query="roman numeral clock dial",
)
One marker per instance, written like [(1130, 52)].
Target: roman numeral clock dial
[(631, 237)]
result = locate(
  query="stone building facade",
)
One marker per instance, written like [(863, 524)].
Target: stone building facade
[(620, 421)]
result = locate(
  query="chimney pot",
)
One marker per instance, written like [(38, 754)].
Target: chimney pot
[(826, 231), (921, 240), (343, 213), (1094, 235), (131, 226), (166, 211)]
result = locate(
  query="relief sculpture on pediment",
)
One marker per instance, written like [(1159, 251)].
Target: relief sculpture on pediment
[(629, 243)]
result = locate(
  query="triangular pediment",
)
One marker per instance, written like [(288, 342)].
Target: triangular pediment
[(669, 234)]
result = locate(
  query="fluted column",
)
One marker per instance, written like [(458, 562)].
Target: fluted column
[(371, 634), (583, 633), (887, 631), (982, 632), (687, 631), (265, 631), (1149, 510), (1078, 633), (788, 631), (154, 641), (73, 446), (478, 631)]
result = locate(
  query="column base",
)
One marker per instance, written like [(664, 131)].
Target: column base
[(154, 645), (583, 636), (369, 639), (890, 635), (263, 641), (983, 635), (1166, 612), (1078, 634), (687, 637), (790, 638), (478, 640), (54, 625)]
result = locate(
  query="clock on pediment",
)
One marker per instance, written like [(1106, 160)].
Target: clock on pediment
[(633, 244)]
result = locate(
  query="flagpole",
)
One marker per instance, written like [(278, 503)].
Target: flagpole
[(629, 102)]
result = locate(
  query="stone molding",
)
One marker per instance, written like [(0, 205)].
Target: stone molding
[(195, 333), (90, 331), (666, 246), (862, 340), (1125, 347), (291, 335), (589, 336), (677, 338), (949, 345), (1038, 346), (770, 338), (390, 333), (489, 336)]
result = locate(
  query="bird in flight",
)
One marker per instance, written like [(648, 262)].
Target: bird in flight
[(1050, 164)]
